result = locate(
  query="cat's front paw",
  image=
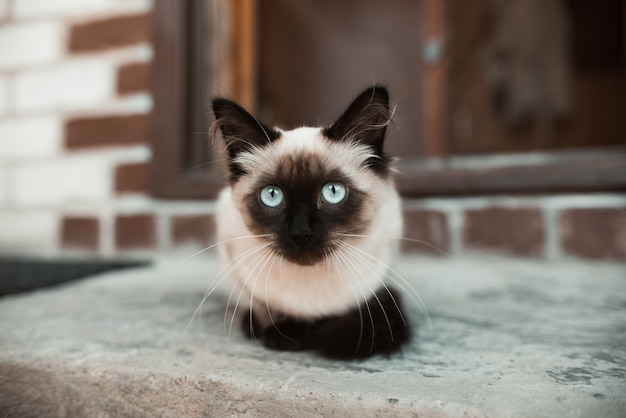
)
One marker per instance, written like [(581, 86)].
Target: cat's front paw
[(287, 336), (377, 327), (250, 326)]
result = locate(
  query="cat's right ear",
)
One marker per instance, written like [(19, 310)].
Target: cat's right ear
[(241, 131), (365, 122)]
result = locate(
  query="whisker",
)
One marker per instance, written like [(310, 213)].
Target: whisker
[(400, 277), (382, 282), (267, 304), (270, 255), (415, 240), (367, 306), (254, 251), (243, 287), (382, 308), (356, 298), (210, 247), (219, 277)]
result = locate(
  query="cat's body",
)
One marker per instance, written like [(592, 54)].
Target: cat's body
[(307, 228)]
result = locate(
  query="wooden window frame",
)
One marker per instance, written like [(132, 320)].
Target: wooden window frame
[(178, 84), (183, 73)]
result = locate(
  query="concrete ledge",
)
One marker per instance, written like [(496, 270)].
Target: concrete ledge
[(509, 338)]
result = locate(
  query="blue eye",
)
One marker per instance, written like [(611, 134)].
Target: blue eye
[(334, 192), (271, 196)]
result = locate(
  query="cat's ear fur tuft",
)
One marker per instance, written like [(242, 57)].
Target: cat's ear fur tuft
[(240, 130), (365, 121)]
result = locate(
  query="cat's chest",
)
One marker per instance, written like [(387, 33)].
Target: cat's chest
[(329, 288)]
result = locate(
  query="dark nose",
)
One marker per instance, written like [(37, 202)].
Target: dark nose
[(301, 238), (300, 231)]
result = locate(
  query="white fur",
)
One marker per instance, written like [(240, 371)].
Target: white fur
[(264, 279)]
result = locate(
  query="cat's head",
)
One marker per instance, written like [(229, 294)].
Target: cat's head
[(306, 188)]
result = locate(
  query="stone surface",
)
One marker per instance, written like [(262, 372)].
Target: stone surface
[(505, 338)]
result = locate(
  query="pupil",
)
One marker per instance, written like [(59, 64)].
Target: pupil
[(332, 189)]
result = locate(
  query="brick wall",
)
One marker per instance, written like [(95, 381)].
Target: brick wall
[(74, 120), (591, 226), (75, 155)]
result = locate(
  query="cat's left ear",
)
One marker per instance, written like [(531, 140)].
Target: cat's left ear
[(241, 131), (365, 121)]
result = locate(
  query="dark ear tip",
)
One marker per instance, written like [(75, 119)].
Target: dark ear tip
[(219, 103), (378, 91)]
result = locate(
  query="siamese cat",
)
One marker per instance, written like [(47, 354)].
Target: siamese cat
[(307, 227)]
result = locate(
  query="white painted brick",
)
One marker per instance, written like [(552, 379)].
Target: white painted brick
[(4, 95), (57, 8), (38, 8), (132, 6), (73, 180), (30, 137), (4, 192), (4, 9), (132, 103), (30, 44), (73, 85), (26, 230)]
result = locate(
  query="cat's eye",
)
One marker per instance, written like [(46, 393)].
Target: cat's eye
[(334, 192), (272, 196)]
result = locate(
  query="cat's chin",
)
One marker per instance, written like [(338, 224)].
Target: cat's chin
[(304, 258)]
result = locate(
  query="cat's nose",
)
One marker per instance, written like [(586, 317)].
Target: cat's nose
[(300, 231), (301, 238)]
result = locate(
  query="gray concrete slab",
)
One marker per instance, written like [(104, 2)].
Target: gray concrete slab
[(509, 338)]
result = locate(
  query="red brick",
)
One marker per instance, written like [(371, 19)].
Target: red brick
[(516, 231), (106, 131), (131, 178), (598, 233), (80, 233), (426, 231), (133, 78), (135, 232), (196, 229), (110, 33)]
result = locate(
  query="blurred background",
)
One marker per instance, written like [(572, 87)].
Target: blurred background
[(510, 122)]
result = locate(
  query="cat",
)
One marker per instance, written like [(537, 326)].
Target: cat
[(307, 225)]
